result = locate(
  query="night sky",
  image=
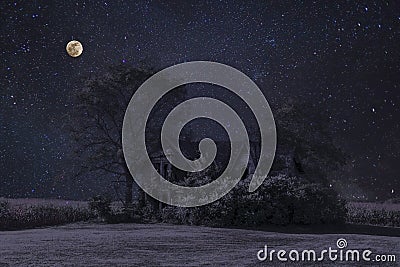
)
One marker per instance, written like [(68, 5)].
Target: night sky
[(343, 59)]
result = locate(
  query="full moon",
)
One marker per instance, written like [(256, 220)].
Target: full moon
[(74, 48)]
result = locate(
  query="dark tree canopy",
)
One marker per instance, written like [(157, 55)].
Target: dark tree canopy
[(311, 144), (96, 123), (98, 116)]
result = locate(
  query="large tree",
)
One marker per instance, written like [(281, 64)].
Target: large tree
[(97, 118), (96, 122), (304, 137)]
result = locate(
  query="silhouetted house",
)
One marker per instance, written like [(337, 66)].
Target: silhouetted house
[(285, 162)]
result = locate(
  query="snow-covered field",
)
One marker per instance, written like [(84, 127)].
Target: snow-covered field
[(86, 244)]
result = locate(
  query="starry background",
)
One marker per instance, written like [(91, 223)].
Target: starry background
[(343, 58)]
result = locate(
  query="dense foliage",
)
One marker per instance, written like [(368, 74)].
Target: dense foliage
[(101, 206), (14, 218), (387, 214), (280, 200)]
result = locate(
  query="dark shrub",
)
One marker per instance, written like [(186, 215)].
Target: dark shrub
[(281, 200), (4, 208), (382, 214), (37, 216), (315, 204), (101, 205)]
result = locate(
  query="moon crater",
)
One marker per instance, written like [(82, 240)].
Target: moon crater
[(74, 48)]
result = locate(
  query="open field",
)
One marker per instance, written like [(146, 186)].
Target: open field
[(84, 244)]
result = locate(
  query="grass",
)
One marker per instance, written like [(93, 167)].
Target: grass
[(171, 245), (382, 214)]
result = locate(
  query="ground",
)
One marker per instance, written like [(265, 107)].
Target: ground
[(86, 244)]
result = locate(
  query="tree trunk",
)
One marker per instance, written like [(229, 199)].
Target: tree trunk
[(128, 190), (141, 198), (128, 184)]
